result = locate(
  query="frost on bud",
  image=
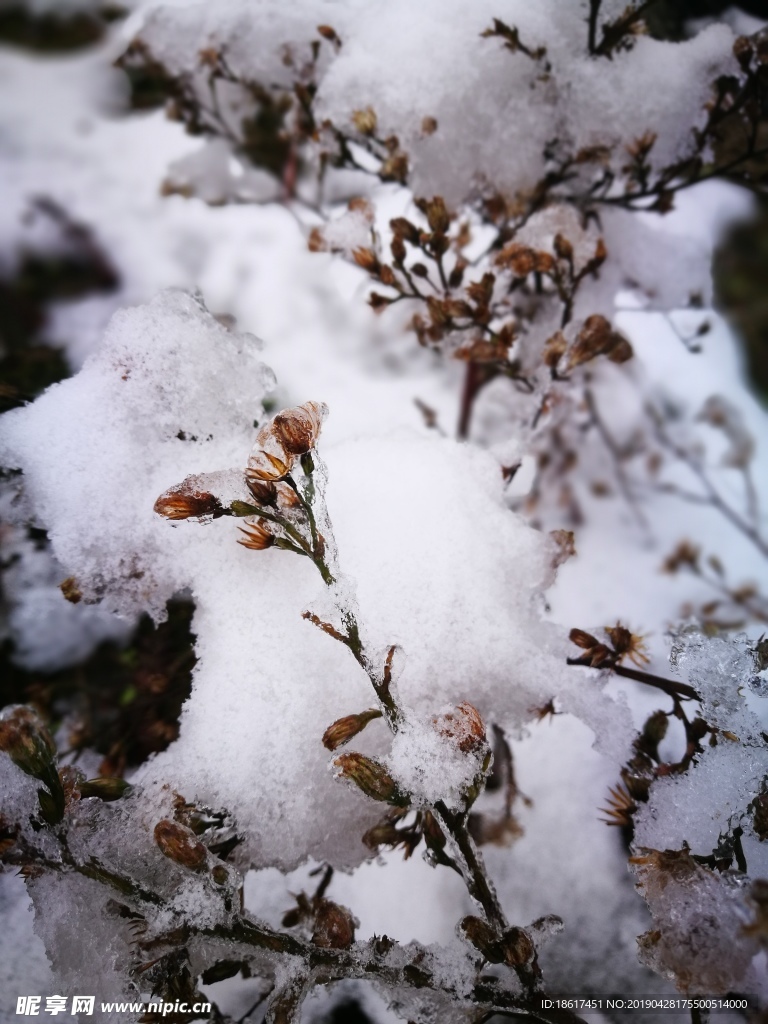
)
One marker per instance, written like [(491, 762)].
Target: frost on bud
[(256, 536), (368, 775), (344, 729), (463, 725), (334, 926), (298, 429), (180, 503), (106, 789), (180, 844), (365, 121)]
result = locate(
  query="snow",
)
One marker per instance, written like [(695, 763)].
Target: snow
[(429, 548)]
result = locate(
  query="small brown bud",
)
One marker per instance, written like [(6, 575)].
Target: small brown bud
[(256, 536), (433, 834), (597, 338), (367, 259), (378, 302), (428, 126), (743, 51), (365, 121), (565, 544), (463, 725), (368, 775), (403, 228), (329, 33), (383, 834), (582, 639), (554, 350), (298, 429), (437, 215), (334, 926), (179, 503), (25, 739), (517, 947), (397, 245), (456, 275), (71, 590), (105, 789), (317, 241), (522, 260), (482, 937), (419, 270), (180, 844), (563, 247), (344, 729), (395, 168)]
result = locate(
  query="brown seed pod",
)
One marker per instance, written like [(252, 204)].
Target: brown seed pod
[(180, 844), (298, 429), (334, 926)]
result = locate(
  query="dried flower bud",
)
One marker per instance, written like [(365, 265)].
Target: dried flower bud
[(517, 947), (344, 729), (298, 429), (263, 491), (367, 259), (334, 926), (437, 215), (565, 545), (597, 338), (106, 789), (554, 350), (563, 247), (257, 536), (522, 260), (71, 591), (403, 228), (463, 725), (329, 33), (180, 844), (428, 125), (365, 121), (743, 51), (433, 834), (627, 643), (480, 934), (179, 503), (582, 639), (24, 737), (368, 775), (383, 834), (263, 465)]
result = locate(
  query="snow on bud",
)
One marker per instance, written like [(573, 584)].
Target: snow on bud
[(464, 726), (368, 775), (180, 503), (298, 429), (334, 926), (180, 844), (343, 729), (517, 947)]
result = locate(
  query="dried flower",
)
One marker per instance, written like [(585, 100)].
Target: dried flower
[(181, 503), (106, 789), (262, 465), (71, 590), (180, 844), (344, 729), (620, 808), (257, 536), (628, 644)]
